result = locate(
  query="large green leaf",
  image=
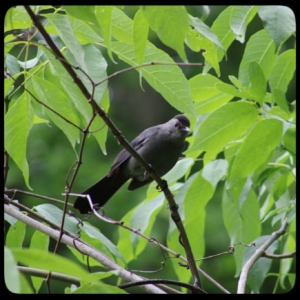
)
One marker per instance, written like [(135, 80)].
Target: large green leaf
[(224, 125), (11, 274), (40, 259), (143, 218), (74, 93), (243, 225), (206, 96), (169, 81), (47, 93), (162, 18), (18, 123), (283, 70), (15, 235), (202, 37), (260, 48), (17, 18), (39, 240), (104, 17), (195, 201), (256, 148), (239, 19), (279, 21), (140, 35)]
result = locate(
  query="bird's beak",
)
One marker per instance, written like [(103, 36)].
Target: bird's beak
[(185, 129)]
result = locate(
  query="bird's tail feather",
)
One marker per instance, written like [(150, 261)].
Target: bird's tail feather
[(100, 192)]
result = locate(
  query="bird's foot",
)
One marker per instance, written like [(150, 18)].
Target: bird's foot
[(165, 185)]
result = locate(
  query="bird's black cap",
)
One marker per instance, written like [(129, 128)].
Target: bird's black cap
[(183, 120)]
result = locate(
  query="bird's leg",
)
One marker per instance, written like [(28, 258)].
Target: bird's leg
[(146, 173), (165, 185)]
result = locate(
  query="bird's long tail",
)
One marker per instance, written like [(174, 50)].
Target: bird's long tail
[(100, 192)]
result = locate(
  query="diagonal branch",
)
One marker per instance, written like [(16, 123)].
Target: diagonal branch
[(122, 141)]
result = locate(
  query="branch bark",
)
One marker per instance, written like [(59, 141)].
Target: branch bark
[(259, 253), (84, 248)]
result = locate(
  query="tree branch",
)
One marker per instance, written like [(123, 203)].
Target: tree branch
[(279, 256), (259, 253), (82, 247)]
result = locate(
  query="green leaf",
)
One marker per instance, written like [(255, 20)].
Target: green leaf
[(168, 80), (279, 98), (240, 18), (231, 90), (162, 18), (18, 123), (100, 241), (206, 39), (214, 171), (279, 21), (64, 30), (121, 26), (260, 48), (15, 235), (12, 64), (47, 93), (37, 258), (196, 198), (256, 148), (283, 70), (178, 170), (221, 28), (17, 18), (206, 96), (85, 14), (140, 35), (224, 125), (82, 30), (257, 79), (143, 218), (11, 274), (54, 215), (242, 224), (104, 16), (289, 140), (235, 82), (204, 30), (39, 240), (74, 93)]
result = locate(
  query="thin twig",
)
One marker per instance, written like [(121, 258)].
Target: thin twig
[(6, 167), (36, 196), (153, 63), (55, 275), (279, 256), (164, 281), (259, 253)]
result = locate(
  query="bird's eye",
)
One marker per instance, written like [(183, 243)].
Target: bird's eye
[(176, 124)]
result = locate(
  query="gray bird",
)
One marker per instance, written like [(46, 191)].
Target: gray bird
[(160, 146)]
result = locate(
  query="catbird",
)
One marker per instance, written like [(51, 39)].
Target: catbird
[(160, 146)]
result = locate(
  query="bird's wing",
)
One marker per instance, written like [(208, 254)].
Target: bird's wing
[(136, 144)]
